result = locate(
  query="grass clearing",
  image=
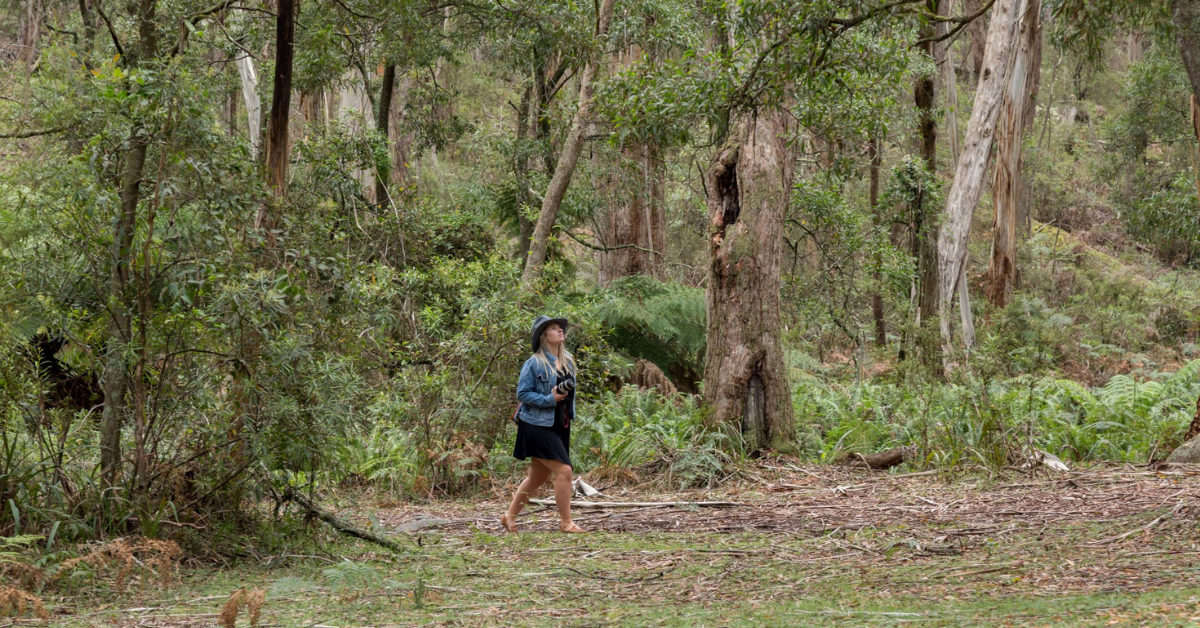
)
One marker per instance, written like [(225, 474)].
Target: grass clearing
[(818, 546)]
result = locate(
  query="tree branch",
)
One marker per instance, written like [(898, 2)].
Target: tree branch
[(25, 134), (962, 21), (111, 31), (603, 248)]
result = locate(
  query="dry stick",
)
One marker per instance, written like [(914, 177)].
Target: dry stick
[(1144, 530), (550, 502), (341, 526)]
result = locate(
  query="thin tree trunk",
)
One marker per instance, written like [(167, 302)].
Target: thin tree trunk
[(978, 29), (923, 213), (656, 211), (967, 187), (873, 198), (1186, 17), (748, 185), (945, 56), (1006, 191), (567, 159), (121, 299), (89, 28), (249, 78), (383, 170), (277, 124), (28, 32), (526, 131)]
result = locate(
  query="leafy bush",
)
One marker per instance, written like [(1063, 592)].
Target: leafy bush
[(660, 322), (642, 430)]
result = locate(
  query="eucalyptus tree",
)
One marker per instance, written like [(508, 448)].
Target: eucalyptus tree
[(967, 186), (1016, 118), (770, 73), (572, 148)]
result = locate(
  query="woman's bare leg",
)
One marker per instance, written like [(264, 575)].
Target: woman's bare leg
[(538, 474), (562, 494)]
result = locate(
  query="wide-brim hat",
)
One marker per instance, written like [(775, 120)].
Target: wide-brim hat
[(539, 325)]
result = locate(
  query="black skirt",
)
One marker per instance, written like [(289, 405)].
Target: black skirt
[(547, 443)]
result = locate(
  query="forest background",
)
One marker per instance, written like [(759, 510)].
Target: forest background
[(250, 250)]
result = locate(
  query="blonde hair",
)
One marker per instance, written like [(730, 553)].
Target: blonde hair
[(565, 364)]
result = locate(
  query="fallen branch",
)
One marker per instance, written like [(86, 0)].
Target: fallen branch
[(550, 503), (337, 524), (1144, 530)]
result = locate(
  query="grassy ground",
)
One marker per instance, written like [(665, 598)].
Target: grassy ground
[(813, 546)]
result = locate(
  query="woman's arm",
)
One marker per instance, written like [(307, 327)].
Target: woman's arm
[(527, 392)]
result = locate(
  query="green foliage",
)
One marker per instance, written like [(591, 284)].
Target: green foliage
[(660, 322), (648, 433)]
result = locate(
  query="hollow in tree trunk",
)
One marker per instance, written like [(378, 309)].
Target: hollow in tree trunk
[(748, 184)]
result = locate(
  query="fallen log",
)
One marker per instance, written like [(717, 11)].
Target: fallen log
[(550, 503), (340, 525), (882, 460)]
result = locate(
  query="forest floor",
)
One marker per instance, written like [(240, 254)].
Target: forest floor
[(819, 545)]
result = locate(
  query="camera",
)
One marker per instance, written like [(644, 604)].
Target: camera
[(566, 387)]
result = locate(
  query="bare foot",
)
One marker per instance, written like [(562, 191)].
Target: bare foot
[(509, 523), (571, 528)]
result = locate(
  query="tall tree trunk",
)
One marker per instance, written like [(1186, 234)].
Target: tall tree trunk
[(121, 299), (748, 185), (944, 55), (89, 29), (526, 129), (638, 223), (967, 187), (249, 79), (873, 198), (29, 29), (1006, 191), (978, 29), (277, 124), (1186, 17), (567, 160), (925, 248), (656, 211), (383, 170)]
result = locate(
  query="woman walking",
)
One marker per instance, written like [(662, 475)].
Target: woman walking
[(546, 390)]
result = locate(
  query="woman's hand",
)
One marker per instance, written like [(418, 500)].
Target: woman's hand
[(559, 396)]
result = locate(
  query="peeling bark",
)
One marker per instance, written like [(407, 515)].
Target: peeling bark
[(967, 187), (1015, 119), (749, 182), (249, 78)]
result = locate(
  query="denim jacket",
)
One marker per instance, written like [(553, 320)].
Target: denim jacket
[(535, 392)]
